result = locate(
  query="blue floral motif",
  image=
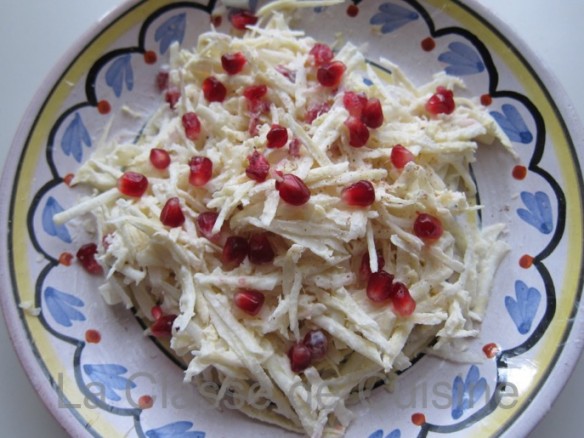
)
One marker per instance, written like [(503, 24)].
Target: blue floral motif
[(523, 308), (110, 376), (538, 212), (513, 124), (462, 60), (396, 433), (63, 307), (75, 136), (367, 81), (466, 393), (180, 429), (52, 207), (392, 17), (170, 31), (120, 72)]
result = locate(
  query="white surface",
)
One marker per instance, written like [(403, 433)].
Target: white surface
[(35, 34)]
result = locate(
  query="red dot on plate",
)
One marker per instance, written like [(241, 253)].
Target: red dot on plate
[(526, 261), (352, 10), (486, 99), (150, 57), (66, 259), (92, 336), (68, 178), (428, 44), (491, 350), (216, 20), (519, 172), (145, 402), (103, 107), (418, 419)]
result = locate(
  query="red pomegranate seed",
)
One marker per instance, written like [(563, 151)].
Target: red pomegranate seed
[(258, 168), (162, 80), (260, 250), (171, 96), (352, 10), (491, 350), (292, 190), (372, 114), (214, 90), (205, 223), (156, 312), (441, 102), (402, 301), (171, 214), (255, 92), (316, 110), (132, 184), (234, 251), (277, 137), (286, 72), (317, 343), (159, 158), (162, 327), (365, 268), (330, 75), (65, 259), (250, 301), (358, 132), (400, 156), (379, 286), (233, 63), (240, 20), (201, 171), (191, 125), (300, 357), (360, 194), (354, 103), (427, 227), (322, 54), (86, 255)]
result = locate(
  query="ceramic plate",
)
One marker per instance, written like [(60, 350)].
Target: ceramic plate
[(91, 363)]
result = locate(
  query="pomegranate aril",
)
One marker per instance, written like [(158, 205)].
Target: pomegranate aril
[(316, 110), (86, 256), (156, 312), (201, 171), (317, 343), (322, 54), (234, 251), (372, 114), (250, 301), (233, 63), (171, 96), (260, 250), (428, 227), (214, 90), (292, 190), (330, 75), (191, 125), (441, 102), (255, 92), (205, 223), (132, 184), (162, 80), (365, 268), (277, 137), (354, 103), (358, 132), (240, 20), (359, 194), (162, 327), (401, 299), (400, 156), (171, 214), (258, 168), (300, 357), (379, 286), (159, 158)]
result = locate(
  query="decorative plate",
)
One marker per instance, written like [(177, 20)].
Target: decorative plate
[(100, 376)]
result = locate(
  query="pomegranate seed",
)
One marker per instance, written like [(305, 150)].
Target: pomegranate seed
[(65, 259), (162, 80), (330, 75), (358, 132), (159, 158), (201, 171), (260, 250), (491, 350), (372, 114), (171, 96), (250, 301), (293, 190), (255, 92), (360, 194), (300, 357), (214, 90), (234, 251), (354, 103), (191, 125), (379, 286), (317, 343), (441, 102), (240, 20), (156, 312), (400, 156), (171, 214), (258, 168), (365, 268), (402, 301), (132, 184), (286, 72), (233, 63), (427, 227), (277, 137), (316, 110), (322, 54), (205, 223), (86, 255), (162, 327)]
